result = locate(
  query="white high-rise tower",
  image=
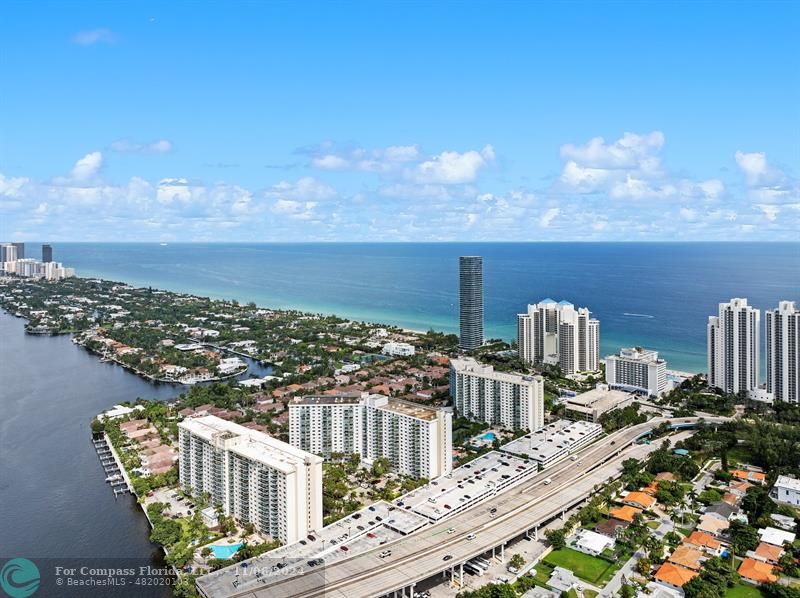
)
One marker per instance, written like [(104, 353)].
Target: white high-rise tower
[(783, 352), (558, 333), (733, 347)]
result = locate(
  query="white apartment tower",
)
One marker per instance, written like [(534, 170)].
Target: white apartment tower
[(254, 477), (783, 352), (558, 333), (416, 439), (512, 400), (637, 370), (733, 347)]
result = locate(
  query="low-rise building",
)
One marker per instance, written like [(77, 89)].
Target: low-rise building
[(639, 500), (775, 536), (674, 575), (592, 543), (590, 405), (554, 441), (398, 349), (787, 490), (757, 572)]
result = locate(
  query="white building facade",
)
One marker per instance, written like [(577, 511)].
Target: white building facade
[(557, 333), (512, 400), (786, 490), (254, 477), (782, 327), (416, 439), (733, 347), (637, 370)]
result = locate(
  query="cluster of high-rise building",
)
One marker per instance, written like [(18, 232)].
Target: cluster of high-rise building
[(556, 333), (255, 478), (13, 261), (416, 439), (734, 350), (515, 401)]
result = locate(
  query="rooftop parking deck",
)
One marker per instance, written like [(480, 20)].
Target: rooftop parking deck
[(467, 485), (555, 441)]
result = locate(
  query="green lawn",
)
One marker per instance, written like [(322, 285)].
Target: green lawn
[(652, 524), (595, 570), (743, 590)]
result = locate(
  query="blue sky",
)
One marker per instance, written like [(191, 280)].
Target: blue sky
[(399, 121)]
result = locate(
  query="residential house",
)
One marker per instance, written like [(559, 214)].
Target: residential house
[(639, 500), (674, 575), (702, 541), (756, 477), (688, 557), (712, 525), (757, 572), (625, 513), (786, 490)]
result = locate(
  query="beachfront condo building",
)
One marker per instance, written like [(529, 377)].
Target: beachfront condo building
[(512, 400), (733, 347), (783, 352), (252, 476), (556, 333), (637, 370), (416, 439), (470, 295)]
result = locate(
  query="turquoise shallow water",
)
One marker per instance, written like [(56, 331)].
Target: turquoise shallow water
[(657, 295)]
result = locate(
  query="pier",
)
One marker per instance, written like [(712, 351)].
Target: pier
[(116, 475)]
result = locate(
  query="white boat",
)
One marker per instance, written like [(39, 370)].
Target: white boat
[(113, 478)]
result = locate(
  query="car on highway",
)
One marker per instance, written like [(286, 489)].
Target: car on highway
[(343, 548), (493, 511), (447, 557), (548, 481), (471, 536), (385, 553), (451, 530)]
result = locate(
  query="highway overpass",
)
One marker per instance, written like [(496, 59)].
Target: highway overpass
[(432, 550)]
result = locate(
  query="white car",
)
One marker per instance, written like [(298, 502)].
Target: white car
[(471, 537), (547, 481), (385, 553), (451, 530)]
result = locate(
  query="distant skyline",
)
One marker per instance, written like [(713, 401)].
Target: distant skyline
[(396, 121)]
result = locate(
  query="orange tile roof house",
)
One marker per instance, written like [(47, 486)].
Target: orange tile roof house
[(740, 487), (651, 489), (639, 499), (750, 476), (757, 572), (767, 552), (675, 575), (703, 541), (625, 513), (712, 525), (686, 556)]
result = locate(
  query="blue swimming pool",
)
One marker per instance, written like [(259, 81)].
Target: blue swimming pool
[(224, 551), (490, 436)]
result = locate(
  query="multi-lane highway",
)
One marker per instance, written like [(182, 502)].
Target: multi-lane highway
[(432, 550)]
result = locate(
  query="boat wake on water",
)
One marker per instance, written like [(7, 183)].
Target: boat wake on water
[(631, 315)]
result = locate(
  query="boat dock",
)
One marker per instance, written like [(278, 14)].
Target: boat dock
[(116, 475)]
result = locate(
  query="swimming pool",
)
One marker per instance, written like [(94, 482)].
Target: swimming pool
[(224, 551), (490, 436)]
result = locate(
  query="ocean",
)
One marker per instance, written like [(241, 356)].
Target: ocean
[(656, 295)]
